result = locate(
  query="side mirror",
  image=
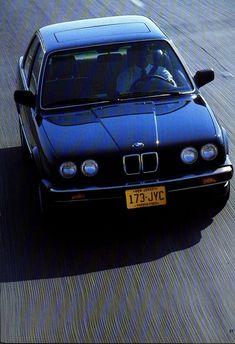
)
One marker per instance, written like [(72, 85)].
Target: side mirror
[(26, 98), (204, 76)]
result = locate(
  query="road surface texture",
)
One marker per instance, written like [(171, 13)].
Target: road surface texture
[(100, 274)]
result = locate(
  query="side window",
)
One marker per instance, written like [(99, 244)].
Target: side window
[(35, 70), (29, 58)]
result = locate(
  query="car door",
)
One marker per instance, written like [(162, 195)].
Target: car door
[(30, 74)]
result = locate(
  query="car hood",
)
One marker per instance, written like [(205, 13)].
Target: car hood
[(125, 128)]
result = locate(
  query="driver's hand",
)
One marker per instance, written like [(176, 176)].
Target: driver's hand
[(172, 82), (167, 75)]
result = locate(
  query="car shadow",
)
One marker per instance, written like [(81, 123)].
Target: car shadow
[(87, 239)]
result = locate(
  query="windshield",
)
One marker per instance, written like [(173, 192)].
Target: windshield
[(106, 73)]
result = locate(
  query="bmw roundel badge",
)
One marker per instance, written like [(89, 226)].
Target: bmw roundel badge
[(138, 145)]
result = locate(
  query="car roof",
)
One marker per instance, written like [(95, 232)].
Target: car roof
[(97, 31)]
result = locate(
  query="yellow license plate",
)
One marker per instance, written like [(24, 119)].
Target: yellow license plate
[(146, 197)]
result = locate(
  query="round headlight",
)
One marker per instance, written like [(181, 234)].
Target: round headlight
[(189, 155), (89, 168), (209, 152), (68, 169)]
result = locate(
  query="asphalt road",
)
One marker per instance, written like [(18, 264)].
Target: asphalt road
[(100, 274)]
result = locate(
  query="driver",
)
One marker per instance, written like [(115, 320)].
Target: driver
[(144, 61)]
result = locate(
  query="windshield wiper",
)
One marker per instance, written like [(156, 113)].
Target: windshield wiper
[(115, 98), (150, 94), (78, 101)]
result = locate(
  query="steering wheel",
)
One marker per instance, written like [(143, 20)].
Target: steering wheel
[(147, 79), (156, 76)]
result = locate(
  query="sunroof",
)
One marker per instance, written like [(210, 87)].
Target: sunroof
[(101, 30)]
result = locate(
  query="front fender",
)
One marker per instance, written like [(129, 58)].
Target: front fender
[(37, 160), (225, 140), (41, 163)]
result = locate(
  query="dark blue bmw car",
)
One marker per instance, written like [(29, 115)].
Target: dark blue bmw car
[(108, 109)]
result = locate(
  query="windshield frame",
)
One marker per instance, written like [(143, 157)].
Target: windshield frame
[(120, 97)]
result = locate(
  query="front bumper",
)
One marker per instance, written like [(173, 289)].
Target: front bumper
[(197, 181)]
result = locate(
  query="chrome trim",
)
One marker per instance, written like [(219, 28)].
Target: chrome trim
[(220, 170), (197, 187), (142, 162), (121, 197), (136, 185), (124, 163), (155, 124)]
